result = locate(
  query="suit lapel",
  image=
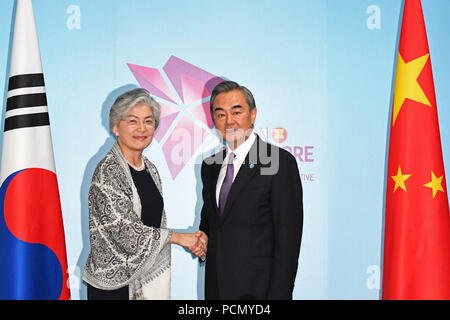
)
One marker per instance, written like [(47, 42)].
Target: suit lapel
[(245, 174)]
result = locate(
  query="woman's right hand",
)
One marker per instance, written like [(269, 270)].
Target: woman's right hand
[(190, 241)]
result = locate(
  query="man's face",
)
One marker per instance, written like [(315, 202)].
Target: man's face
[(233, 118)]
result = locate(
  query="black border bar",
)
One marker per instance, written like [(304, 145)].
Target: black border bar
[(26, 101), (27, 120), (26, 80)]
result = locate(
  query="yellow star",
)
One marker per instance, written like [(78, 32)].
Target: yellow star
[(406, 85), (400, 179), (435, 184)]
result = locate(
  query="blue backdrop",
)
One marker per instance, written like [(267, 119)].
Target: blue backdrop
[(322, 74)]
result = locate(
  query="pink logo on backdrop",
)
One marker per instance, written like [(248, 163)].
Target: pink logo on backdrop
[(185, 120)]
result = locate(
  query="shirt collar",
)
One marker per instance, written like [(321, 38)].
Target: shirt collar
[(241, 151)]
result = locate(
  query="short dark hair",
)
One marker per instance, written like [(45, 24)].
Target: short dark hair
[(227, 86)]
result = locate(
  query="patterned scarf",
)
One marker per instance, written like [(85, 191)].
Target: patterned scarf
[(123, 250)]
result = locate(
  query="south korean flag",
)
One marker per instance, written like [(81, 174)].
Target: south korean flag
[(32, 243)]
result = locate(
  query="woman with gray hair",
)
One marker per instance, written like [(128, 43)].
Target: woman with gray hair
[(130, 244)]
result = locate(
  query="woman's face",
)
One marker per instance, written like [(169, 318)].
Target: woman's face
[(135, 131)]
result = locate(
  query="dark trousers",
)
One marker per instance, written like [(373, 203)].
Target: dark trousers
[(99, 294)]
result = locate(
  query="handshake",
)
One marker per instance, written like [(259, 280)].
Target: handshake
[(197, 242)]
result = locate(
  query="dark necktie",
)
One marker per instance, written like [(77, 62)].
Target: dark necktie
[(227, 182)]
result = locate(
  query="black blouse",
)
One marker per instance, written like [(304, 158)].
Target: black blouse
[(151, 199)]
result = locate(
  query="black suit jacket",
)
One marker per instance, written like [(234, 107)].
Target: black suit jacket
[(253, 247)]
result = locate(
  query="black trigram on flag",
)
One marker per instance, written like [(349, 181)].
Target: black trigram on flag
[(26, 105)]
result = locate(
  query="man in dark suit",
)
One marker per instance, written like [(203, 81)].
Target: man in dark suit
[(252, 213)]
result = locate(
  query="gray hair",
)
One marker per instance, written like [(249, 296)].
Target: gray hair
[(227, 86), (128, 100)]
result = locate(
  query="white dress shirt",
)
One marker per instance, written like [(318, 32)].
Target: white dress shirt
[(240, 153)]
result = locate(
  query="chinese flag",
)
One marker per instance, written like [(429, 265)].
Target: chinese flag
[(416, 263)]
